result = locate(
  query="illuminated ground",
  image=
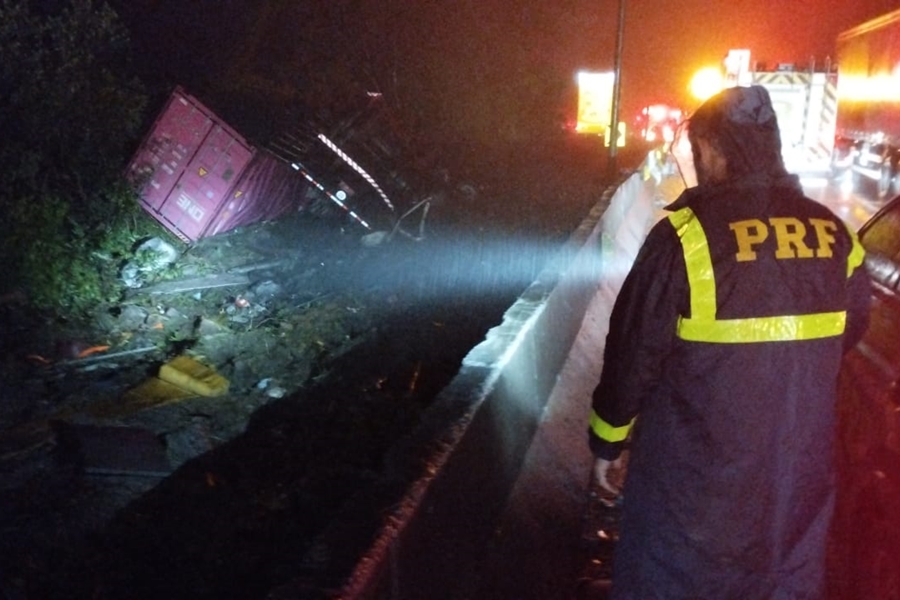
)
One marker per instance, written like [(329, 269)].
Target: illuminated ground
[(265, 489)]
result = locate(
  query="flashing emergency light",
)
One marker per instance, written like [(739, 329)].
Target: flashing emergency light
[(707, 82), (657, 122), (595, 97)]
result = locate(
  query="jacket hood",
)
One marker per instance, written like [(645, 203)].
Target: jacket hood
[(742, 123)]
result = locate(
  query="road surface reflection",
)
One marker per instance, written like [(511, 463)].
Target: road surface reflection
[(855, 209)]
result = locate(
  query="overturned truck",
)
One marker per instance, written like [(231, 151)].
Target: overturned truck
[(198, 176)]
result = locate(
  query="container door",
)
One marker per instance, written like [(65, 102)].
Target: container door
[(205, 183)]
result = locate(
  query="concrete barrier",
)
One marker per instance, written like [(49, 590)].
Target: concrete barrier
[(472, 447)]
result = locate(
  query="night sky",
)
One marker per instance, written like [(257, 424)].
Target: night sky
[(481, 67)]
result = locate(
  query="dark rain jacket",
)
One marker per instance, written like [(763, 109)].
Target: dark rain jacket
[(723, 350)]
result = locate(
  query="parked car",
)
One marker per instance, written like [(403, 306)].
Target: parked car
[(864, 562)]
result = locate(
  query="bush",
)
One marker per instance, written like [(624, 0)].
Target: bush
[(69, 111), (69, 265)]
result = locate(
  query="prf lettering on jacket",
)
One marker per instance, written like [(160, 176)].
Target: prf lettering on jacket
[(790, 235)]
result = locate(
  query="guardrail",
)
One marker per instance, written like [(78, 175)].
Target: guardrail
[(479, 429)]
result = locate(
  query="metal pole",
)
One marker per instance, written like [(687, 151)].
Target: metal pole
[(617, 92)]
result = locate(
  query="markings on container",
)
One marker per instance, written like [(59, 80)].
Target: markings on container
[(193, 210), (202, 172)]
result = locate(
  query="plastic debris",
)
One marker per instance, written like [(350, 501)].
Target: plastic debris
[(151, 256), (193, 376)]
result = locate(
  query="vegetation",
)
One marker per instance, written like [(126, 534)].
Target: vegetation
[(71, 113), (69, 118)]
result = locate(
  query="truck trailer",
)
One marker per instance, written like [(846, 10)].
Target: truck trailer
[(198, 177), (867, 137)]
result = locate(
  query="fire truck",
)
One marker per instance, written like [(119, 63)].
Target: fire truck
[(867, 138), (805, 100)]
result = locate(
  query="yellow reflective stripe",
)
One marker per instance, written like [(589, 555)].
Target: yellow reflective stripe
[(857, 253), (703, 326), (763, 329), (698, 262), (607, 432)]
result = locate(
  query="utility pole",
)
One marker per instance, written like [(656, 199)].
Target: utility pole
[(617, 92)]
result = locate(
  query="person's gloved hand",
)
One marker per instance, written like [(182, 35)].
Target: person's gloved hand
[(603, 472)]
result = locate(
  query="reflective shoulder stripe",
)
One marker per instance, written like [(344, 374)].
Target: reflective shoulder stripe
[(702, 326), (607, 432), (698, 262), (763, 329)]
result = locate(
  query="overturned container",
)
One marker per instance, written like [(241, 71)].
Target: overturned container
[(198, 177)]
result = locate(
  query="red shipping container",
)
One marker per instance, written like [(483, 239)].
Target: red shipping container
[(198, 176)]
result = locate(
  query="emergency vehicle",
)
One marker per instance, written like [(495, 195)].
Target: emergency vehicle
[(657, 122), (806, 104), (867, 140), (805, 100)]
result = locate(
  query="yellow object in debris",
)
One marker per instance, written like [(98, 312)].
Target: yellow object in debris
[(193, 376), (179, 379), (151, 393)]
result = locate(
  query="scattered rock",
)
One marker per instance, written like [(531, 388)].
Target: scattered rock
[(265, 291), (190, 441), (132, 317)]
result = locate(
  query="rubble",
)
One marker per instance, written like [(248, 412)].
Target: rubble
[(177, 371)]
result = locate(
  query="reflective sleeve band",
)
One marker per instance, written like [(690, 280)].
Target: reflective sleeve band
[(607, 432), (763, 329), (702, 326), (857, 253)]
